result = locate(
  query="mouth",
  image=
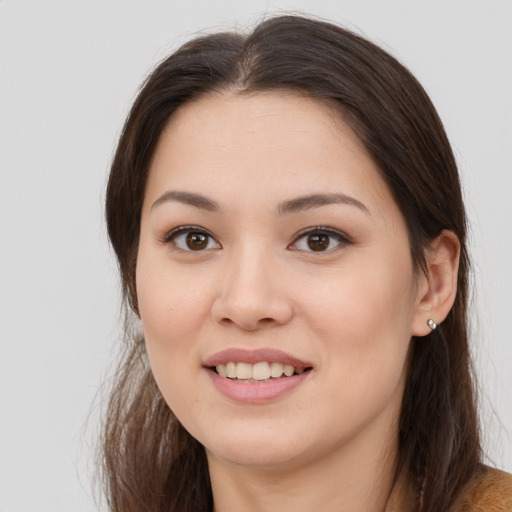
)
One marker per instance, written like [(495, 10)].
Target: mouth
[(260, 372), (257, 376)]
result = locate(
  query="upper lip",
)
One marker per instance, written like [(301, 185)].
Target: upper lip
[(242, 355)]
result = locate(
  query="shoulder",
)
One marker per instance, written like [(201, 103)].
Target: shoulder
[(490, 491)]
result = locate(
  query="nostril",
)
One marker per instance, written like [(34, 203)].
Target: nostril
[(250, 313), (248, 324)]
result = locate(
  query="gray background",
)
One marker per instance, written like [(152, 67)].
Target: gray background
[(69, 71)]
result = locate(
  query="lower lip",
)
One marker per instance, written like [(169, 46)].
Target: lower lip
[(256, 392)]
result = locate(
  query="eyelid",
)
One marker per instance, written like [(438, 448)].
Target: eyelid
[(340, 236), (169, 236)]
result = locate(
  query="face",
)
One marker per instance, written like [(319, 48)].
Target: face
[(274, 281)]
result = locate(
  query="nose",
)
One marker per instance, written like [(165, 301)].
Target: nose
[(252, 294)]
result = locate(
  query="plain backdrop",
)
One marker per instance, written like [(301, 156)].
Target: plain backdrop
[(69, 71)]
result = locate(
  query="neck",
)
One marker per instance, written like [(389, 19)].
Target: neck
[(354, 478)]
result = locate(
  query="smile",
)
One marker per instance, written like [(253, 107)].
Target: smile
[(256, 376), (259, 372)]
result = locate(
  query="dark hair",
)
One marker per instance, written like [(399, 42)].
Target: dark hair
[(150, 461)]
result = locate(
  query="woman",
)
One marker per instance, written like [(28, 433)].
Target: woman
[(286, 212)]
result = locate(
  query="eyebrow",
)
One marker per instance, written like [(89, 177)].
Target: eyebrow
[(316, 200), (190, 198), (298, 204)]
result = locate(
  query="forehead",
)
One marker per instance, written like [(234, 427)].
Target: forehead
[(267, 144), (231, 116)]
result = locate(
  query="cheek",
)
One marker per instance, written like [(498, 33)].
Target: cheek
[(360, 301), (171, 316), (173, 309), (363, 315), (172, 303)]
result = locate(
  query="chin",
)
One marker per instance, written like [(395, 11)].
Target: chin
[(257, 451)]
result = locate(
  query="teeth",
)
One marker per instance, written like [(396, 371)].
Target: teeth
[(244, 371), (276, 370), (221, 370), (288, 370), (256, 372), (260, 371), (231, 370)]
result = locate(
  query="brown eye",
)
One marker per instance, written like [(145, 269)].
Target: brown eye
[(196, 241), (320, 239), (189, 238), (318, 242)]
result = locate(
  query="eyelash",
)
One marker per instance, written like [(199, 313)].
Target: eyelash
[(341, 238), (187, 230)]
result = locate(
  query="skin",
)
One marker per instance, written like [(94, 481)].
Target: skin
[(350, 311)]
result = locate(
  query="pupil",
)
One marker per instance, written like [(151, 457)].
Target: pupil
[(318, 242), (196, 241)]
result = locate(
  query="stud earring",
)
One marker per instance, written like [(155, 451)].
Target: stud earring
[(432, 324)]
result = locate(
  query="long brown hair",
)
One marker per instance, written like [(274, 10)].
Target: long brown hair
[(150, 462)]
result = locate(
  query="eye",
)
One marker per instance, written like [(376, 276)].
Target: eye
[(191, 238), (319, 239)]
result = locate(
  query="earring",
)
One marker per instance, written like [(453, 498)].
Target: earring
[(432, 324)]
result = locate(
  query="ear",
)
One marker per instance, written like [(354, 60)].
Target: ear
[(437, 285)]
